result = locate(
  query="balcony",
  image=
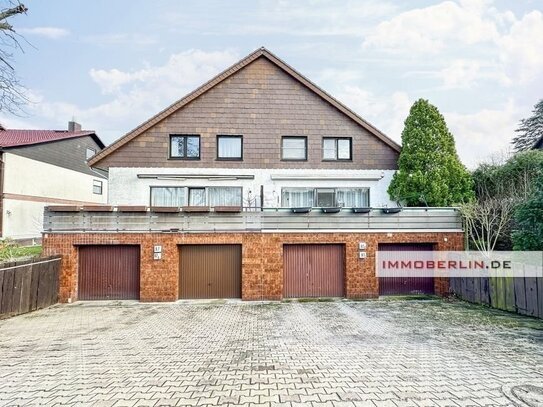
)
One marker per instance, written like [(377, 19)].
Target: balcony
[(191, 220)]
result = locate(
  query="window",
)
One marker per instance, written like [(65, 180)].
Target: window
[(224, 196), (296, 197), (167, 196), (185, 147), (197, 197), (326, 198), (336, 148), (90, 152), (353, 197), (97, 187), (229, 147), (294, 148)]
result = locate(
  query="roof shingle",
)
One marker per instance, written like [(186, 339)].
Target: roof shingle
[(16, 137)]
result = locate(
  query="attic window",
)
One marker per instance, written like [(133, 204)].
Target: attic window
[(229, 147), (185, 147), (337, 148), (90, 152), (294, 148)]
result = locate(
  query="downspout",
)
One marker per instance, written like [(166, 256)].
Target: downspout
[(1, 193)]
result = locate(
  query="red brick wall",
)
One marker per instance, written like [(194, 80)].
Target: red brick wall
[(262, 263)]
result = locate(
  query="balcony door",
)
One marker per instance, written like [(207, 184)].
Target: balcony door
[(197, 197), (326, 197)]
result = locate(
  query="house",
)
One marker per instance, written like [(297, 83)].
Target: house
[(257, 185), (44, 167)]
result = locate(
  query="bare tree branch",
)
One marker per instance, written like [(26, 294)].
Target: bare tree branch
[(10, 12), (489, 216), (12, 94)]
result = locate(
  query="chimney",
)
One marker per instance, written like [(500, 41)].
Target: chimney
[(73, 126)]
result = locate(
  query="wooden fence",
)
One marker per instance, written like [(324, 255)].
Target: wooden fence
[(28, 285), (521, 295)]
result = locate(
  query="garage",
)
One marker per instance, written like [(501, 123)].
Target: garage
[(210, 271), (313, 270), (402, 285), (109, 272)]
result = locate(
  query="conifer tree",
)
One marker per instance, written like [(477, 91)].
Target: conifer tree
[(429, 170)]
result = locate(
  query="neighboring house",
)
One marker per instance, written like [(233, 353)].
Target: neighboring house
[(261, 136), (44, 167)]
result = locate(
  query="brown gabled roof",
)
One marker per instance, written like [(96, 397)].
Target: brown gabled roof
[(261, 52)]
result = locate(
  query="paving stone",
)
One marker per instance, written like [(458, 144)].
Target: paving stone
[(343, 353)]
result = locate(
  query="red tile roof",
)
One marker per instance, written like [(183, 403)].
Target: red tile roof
[(15, 137)]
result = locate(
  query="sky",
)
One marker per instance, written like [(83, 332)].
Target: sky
[(112, 65)]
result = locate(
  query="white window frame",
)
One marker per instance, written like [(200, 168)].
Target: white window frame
[(96, 183)]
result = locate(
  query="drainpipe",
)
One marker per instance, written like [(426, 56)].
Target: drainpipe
[(261, 198), (1, 193)]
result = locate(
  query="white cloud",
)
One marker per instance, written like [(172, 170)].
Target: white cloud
[(47, 32), (431, 29), (189, 68), (478, 135), (110, 80), (474, 41), (461, 73), (521, 50)]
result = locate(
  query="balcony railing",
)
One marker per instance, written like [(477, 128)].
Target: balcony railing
[(192, 220)]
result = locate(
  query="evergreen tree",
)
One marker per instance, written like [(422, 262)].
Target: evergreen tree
[(429, 170), (529, 221), (530, 130)]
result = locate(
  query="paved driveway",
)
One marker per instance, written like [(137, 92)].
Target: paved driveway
[(374, 353)]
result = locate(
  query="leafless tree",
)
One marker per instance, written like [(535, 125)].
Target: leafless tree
[(489, 217), (12, 93), (487, 220)]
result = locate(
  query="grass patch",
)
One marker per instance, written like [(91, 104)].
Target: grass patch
[(324, 299), (12, 251), (412, 297)]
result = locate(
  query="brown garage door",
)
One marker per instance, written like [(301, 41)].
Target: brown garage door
[(406, 285), (109, 272), (313, 270), (210, 271)]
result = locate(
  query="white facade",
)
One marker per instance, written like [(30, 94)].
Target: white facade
[(132, 186), (30, 185)]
